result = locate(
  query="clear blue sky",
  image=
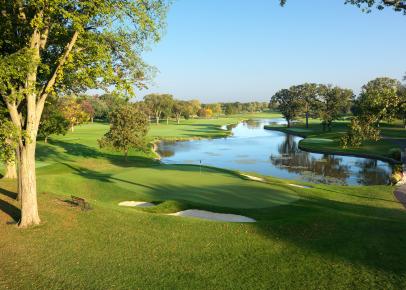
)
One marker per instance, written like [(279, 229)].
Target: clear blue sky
[(240, 50)]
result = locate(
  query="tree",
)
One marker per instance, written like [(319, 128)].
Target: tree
[(195, 107), (180, 108), (167, 102), (307, 93), (379, 100), (87, 107), (8, 143), (107, 103), (61, 47), (217, 110), (128, 129), (7, 155), (367, 5), (158, 104), (401, 112), (52, 122), (288, 104), (205, 113), (73, 112), (333, 102)]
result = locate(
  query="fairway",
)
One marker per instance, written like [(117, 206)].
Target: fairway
[(199, 145), (324, 236)]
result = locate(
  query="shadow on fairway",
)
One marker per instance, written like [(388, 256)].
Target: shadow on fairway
[(369, 236), (46, 152), (365, 235)]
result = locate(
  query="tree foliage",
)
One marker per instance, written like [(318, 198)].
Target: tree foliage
[(8, 141), (205, 113), (380, 99), (307, 94), (367, 5), (128, 130), (52, 122), (73, 111), (159, 104), (181, 109), (333, 103), (288, 104), (63, 47)]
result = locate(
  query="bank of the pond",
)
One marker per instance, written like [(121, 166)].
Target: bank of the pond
[(326, 236), (329, 143)]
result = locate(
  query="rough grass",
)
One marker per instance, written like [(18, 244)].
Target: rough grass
[(326, 237)]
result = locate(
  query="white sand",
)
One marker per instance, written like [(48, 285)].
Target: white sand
[(253, 177), (136, 203), (202, 214), (300, 186)]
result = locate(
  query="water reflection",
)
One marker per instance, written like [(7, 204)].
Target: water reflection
[(253, 124), (253, 149), (371, 173), (327, 169)]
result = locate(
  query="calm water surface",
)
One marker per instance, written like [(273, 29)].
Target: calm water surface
[(254, 149)]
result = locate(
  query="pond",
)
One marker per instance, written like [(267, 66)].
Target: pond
[(251, 148)]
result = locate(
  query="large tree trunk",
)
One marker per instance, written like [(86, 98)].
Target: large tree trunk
[(11, 170), (28, 186), (167, 120), (288, 123)]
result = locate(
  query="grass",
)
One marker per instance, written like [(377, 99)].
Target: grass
[(201, 128), (317, 140), (325, 237)]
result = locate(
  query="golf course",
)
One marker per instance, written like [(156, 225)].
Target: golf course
[(199, 145), (317, 236)]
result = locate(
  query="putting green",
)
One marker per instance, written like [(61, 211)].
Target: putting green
[(210, 187)]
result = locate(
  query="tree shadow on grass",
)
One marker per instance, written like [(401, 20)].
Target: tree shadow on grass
[(102, 177), (7, 207), (369, 236), (10, 210), (45, 152), (364, 235), (8, 193)]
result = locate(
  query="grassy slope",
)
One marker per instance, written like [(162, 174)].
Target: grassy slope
[(326, 237), (319, 141)]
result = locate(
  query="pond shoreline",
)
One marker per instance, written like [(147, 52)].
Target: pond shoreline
[(227, 134), (199, 153), (332, 152)]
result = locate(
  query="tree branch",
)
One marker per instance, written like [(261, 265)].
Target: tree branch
[(51, 82)]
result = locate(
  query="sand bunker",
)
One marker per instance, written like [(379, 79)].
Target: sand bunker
[(202, 214), (299, 186), (250, 177), (136, 204)]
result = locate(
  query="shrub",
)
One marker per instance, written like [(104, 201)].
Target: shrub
[(395, 153)]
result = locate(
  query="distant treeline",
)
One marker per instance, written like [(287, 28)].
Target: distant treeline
[(165, 106)]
